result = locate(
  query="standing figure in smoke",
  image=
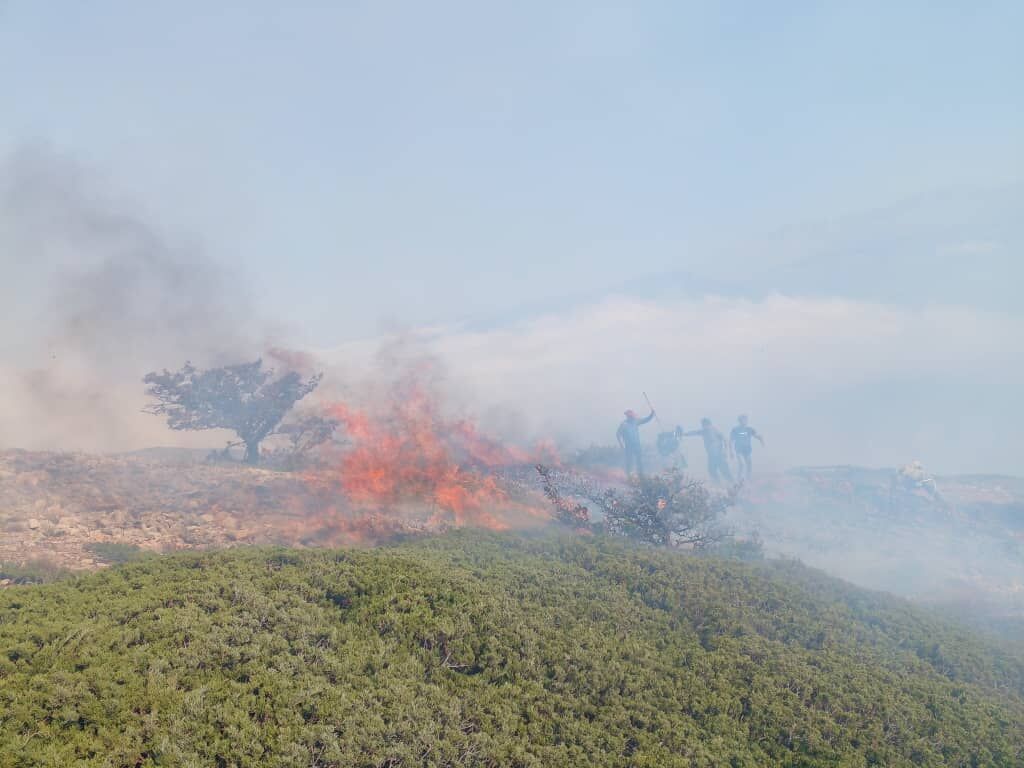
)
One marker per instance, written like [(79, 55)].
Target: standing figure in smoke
[(715, 446), (741, 441), (668, 447), (629, 441)]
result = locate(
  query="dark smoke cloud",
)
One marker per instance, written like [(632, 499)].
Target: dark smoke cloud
[(96, 297)]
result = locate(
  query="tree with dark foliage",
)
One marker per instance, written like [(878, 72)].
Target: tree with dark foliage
[(667, 510), (245, 398)]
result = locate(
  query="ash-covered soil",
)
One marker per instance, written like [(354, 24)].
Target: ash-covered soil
[(55, 508)]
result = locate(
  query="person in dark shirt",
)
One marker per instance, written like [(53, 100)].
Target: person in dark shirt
[(628, 436), (715, 446), (741, 442)]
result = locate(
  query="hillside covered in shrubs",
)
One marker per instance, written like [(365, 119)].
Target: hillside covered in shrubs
[(476, 649)]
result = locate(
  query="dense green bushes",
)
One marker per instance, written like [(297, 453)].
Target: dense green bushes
[(480, 650), (31, 572)]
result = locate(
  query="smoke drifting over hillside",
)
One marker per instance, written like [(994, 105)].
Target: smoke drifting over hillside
[(97, 297), (828, 381)]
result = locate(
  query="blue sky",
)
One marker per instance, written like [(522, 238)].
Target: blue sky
[(367, 164)]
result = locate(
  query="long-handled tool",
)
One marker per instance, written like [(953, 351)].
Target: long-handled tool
[(656, 417)]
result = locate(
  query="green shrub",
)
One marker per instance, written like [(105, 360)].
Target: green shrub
[(116, 553), (484, 650), (33, 572)]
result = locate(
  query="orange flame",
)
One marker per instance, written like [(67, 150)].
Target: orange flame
[(408, 452)]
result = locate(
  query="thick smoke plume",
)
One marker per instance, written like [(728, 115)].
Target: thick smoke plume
[(96, 297)]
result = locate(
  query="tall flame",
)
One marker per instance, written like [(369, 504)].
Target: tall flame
[(407, 452)]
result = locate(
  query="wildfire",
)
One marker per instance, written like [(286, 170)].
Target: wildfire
[(407, 452)]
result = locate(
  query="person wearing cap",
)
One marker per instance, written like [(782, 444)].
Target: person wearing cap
[(715, 446), (628, 436)]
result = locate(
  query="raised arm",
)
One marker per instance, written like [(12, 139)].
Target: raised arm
[(651, 416)]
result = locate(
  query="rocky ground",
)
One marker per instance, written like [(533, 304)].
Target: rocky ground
[(59, 509), (81, 512)]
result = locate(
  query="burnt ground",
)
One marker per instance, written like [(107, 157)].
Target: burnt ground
[(61, 508)]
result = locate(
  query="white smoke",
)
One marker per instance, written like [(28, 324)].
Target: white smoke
[(95, 298), (828, 381)]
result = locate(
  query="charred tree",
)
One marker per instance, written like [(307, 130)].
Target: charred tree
[(568, 509), (246, 398)]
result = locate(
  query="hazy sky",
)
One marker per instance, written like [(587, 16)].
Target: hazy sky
[(580, 174), (416, 162)]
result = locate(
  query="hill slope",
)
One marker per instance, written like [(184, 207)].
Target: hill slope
[(486, 650), (964, 553)]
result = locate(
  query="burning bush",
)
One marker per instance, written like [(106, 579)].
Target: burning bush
[(405, 450), (568, 509), (668, 510)]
